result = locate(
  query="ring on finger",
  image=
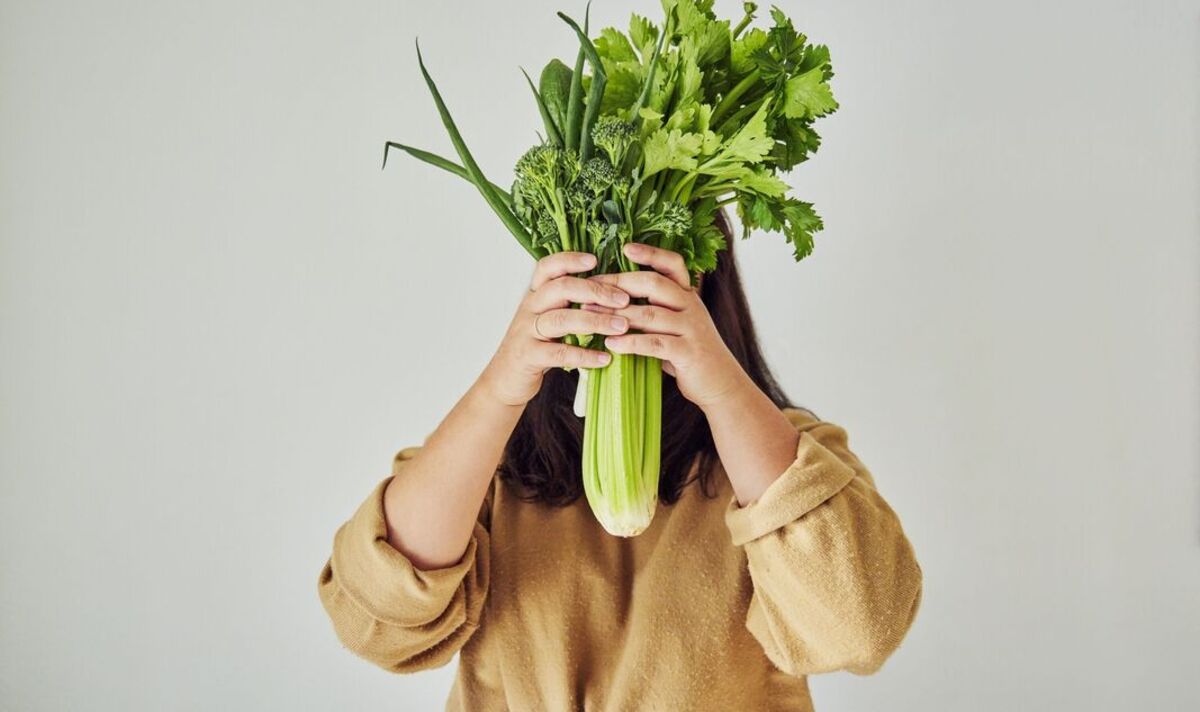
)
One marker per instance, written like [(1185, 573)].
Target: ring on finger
[(536, 330)]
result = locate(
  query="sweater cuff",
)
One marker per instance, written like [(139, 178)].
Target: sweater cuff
[(813, 477), (382, 580)]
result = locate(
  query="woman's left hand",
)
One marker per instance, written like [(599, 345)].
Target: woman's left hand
[(676, 326)]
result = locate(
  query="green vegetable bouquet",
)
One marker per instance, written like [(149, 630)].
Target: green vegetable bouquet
[(650, 134)]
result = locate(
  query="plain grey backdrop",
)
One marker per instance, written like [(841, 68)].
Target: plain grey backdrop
[(220, 320)]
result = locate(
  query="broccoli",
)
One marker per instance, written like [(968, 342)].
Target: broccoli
[(614, 137), (668, 220), (545, 174), (545, 229), (596, 177)]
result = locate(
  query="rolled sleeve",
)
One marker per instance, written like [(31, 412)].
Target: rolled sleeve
[(387, 610), (835, 582), (383, 581), (813, 477)]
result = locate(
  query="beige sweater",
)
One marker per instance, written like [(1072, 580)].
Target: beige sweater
[(714, 607)]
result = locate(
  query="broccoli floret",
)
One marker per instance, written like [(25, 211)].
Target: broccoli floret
[(546, 230), (614, 137), (540, 164), (596, 177), (669, 220), (544, 174)]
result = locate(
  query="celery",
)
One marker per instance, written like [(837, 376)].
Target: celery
[(622, 442)]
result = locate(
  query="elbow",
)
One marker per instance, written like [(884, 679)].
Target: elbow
[(387, 644), (354, 630), (378, 645), (884, 622)]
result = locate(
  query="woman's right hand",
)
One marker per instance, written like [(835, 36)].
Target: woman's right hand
[(530, 346)]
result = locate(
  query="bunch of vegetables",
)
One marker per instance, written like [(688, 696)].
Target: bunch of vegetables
[(650, 133)]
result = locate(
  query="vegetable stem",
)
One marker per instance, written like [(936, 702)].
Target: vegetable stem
[(595, 92), (575, 95), (749, 9), (727, 102), (444, 163), (481, 182)]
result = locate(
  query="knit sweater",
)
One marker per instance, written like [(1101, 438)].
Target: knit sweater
[(713, 607)]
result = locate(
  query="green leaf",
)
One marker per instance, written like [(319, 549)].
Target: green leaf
[(553, 133), (692, 15), (802, 222), (688, 87), (816, 56), (712, 43), (706, 243), (741, 53), (704, 114), (621, 91), (615, 46), (760, 181), (761, 212), (785, 41), (807, 95), (644, 35), (684, 116), (798, 141), (651, 121), (706, 238), (670, 150), (752, 142), (795, 218), (555, 87)]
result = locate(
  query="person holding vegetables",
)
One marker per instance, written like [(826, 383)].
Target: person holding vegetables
[(523, 538)]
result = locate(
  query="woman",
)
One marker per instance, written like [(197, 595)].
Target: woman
[(771, 558)]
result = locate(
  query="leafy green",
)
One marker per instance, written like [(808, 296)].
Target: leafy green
[(687, 114), (808, 96), (614, 45), (553, 133), (670, 149), (554, 85)]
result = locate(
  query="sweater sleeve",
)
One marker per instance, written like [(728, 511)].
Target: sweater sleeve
[(391, 613), (835, 582)]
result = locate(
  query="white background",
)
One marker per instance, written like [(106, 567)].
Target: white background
[(220, 319)]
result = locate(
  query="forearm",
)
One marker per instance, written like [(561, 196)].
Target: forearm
[(431, 510), (755, 440)]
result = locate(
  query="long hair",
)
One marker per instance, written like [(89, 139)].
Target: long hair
[(542, 457)]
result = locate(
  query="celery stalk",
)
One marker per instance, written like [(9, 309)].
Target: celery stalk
[(622, 440)]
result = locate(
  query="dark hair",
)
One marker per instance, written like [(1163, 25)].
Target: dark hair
[(542, 457)]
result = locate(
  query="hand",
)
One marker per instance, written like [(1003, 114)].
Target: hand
[(676, 326), (530, 345)]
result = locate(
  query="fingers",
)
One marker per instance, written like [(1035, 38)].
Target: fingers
[(561, 291), (560, 264), (560, 322), (663, 346), (666, 262), (659, 289), (552, 354), (647, 317)]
